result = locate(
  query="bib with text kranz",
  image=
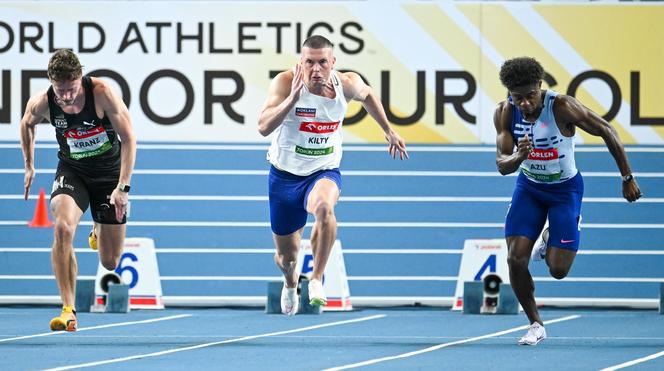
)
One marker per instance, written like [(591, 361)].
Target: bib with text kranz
[(542, 165), (87, 143)]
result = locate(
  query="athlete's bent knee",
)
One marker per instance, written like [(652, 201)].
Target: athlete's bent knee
[(324, 211), (110, 263), (558, 273), (63, 232)]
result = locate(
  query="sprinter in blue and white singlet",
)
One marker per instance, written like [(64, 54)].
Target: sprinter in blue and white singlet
[(535, 131)]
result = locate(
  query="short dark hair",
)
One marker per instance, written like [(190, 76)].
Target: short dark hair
[(520, 71), (64, 66), (317, 42)]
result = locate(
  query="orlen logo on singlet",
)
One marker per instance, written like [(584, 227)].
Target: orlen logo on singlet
[(305, 112), (543, 154), (319, 127)]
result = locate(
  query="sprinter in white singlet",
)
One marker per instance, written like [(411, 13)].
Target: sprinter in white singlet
[(304, 113)]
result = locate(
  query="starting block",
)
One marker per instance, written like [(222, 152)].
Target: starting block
[(335, 280), (116, 295), (507, 301), (273, 304), (473, 295), (305, 307), (489, 297), (139, 270), (479, 259), (85, 295), (118, 299)]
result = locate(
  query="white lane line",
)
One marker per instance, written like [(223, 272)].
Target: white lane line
[(38, 277), (347, 147), (634, 362), (347, 198), (444, 345), (200, 250), (657, 226), (205, 345), (98, 327), (381, 173)]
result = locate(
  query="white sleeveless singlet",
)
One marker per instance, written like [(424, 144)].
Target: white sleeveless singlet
[(309, 139)]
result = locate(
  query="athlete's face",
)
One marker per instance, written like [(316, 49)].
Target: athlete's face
[(67, 91), (527, 98), (317, 65)]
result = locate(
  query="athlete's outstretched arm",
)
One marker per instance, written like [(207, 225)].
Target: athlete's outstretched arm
[(569, 110), (117, 112), (35, 111), (507, 160), (282, 95), (356, 89)]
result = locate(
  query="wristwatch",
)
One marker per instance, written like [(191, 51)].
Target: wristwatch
[(628, 178), (124, 187)]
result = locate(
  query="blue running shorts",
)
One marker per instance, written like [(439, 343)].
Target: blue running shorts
[(533, 202), (288, 195)]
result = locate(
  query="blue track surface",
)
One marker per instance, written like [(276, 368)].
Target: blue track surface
[(626, 241), (230, 182), (388, 339)]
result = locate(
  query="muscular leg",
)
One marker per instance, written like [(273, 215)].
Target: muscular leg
[(321, 201), (111, 243), (67, 215), (519, 249), (286, 256)]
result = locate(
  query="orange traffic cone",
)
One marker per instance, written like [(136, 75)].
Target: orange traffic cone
[(40, 220)]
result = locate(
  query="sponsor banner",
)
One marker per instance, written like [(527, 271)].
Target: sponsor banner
[(201, 73)]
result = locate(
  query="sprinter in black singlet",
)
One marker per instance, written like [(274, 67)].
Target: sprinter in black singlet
[(94, 168)]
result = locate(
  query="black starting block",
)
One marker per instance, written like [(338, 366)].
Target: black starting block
[(85, 295), (661, 298), (507, 301), (489, 297), (273, 304), (117, 300), (305, 307), (473, 296), (116, 295)]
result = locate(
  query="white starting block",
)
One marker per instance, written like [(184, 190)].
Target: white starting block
[(138, 268), (335, 280), (479, 259)]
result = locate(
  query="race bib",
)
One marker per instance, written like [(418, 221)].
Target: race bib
[(87, 143), (542, 165)]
